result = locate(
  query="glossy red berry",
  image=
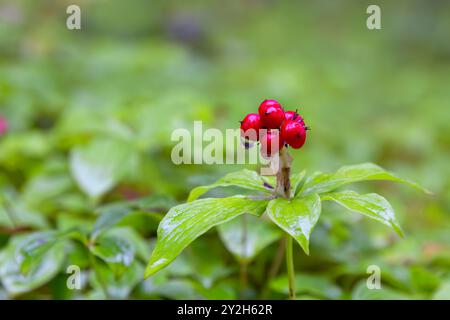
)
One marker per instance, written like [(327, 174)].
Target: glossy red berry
[(293, 115), (3, 126), (271, 113), (293, 133), (290, 115), (250, 126), (271, 143)]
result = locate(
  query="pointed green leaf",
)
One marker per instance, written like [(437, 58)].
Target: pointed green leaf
[(40, 272), (113, 286), (186, 222), (247, 235), (316, 285), (326, 182), (117, 252), (372, 205), (296, 180), (31, 251), (100, 165), (246, 179), (296, 216), (113, 214)]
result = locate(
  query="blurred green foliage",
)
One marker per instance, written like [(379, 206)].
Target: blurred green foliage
[(85, 169)]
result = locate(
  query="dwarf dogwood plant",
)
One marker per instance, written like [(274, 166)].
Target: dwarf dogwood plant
[(292, 201)]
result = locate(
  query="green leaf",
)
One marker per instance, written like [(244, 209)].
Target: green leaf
[(171, 288), (221, 291), (45, 188), (296, 180), (186, 222), (443, 292), (316, 285), (114, 214), (362, 292), (247, 235), (372, 205), (246, 179), (117, 252), (326, 182), (206, 273), (296, 216), (140, 246), (115, 286), (32, 250), (39, 273), (424, 280), (98, 166), (14, 213), (150, 203)]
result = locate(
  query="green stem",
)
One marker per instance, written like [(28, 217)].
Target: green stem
[(274, 268), (243, 263), (283, 189), (290, 266)]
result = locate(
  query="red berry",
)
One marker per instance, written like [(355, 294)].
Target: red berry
[(293, 115), (3, 125), (268, 103), (250, 126), (293, 133), (271, 113), (290, 115), (271, 143)]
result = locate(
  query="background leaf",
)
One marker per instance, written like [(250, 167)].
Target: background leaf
[(443, 292), (44, 268), (113, 286), (316, 285), (362, 292), (98, 166), (117, 252), (247, 235), (115, 213)]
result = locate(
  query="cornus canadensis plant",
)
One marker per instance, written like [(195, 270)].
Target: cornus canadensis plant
[(292, 201)]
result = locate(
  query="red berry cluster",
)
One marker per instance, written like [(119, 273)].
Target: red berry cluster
[(280, 126)]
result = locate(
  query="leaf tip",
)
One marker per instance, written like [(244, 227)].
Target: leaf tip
[(401, 233), (148, 272), (190, 198), (305, 247), (154, 267)]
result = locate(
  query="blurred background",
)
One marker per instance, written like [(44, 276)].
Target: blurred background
[(85, 123)]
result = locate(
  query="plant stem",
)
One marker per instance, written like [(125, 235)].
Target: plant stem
[(243, 263), (283, 189), (290, 266), (275, 267)]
